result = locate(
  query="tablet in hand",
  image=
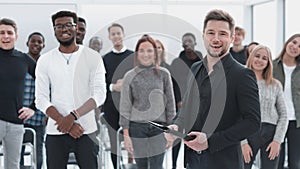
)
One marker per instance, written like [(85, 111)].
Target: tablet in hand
[(171, 131)]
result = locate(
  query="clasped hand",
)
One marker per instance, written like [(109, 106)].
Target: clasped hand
[(76, 131), (64, 124)]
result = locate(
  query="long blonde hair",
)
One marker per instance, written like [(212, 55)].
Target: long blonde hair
[(268, 70)]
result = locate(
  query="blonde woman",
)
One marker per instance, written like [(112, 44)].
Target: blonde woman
[(273, 112)]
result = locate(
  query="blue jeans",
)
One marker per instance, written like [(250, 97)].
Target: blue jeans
[(12, 137), (149, 145), (40, 135)]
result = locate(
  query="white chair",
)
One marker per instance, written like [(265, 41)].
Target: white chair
[(30, 153)]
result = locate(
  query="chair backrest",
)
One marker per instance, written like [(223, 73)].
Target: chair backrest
[(29, 139), (29, 136)]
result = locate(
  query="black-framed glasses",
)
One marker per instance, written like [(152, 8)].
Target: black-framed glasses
[(68, 26)]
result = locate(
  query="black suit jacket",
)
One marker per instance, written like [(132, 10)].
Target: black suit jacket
[(234, 113)]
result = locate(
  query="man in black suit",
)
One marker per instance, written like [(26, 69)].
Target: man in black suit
[(221, 106)]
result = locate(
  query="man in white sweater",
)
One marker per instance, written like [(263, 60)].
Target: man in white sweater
[(70, 84)]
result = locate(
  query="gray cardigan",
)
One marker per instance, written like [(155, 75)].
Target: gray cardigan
[(147, 96), (273, 108)]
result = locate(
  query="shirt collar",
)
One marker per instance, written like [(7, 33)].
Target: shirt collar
[(121, 51), (226, 62)]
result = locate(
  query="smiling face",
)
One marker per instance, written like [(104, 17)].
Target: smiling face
[(8, 37), (238, 38), (65, 30), (160, 50), (116, 36), (293, 48), (188, 43), (217, 38), (35, 45), (260, 60), (146, 54), (81, 31)]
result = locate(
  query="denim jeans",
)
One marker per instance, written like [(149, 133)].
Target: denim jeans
[(12, 137), (149, 145)]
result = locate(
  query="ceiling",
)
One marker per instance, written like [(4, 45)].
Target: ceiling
[(165, 2)]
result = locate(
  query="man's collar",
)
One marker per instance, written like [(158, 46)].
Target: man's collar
[(226, 61), (120, 51)]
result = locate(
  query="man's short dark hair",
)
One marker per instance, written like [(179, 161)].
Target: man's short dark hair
[(6, 21), (61, 14), (240, 29), (36, 33), (115, 25), (189, 34), (219, 15), (80, 19)]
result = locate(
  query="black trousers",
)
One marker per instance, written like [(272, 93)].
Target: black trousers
[(293, 144), (58, 148), (195, 160), (260, 141)]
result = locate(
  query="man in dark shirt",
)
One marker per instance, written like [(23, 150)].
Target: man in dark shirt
[(35, 44), (180, 67), (238, 51), (13, 67), (117, 62), (221, 105)]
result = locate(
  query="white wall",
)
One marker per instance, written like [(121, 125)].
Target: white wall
[(32, 17), (167, 21)]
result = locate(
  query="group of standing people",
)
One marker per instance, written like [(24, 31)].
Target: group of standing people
[(67, 97), (230, 119), (278, 102)]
